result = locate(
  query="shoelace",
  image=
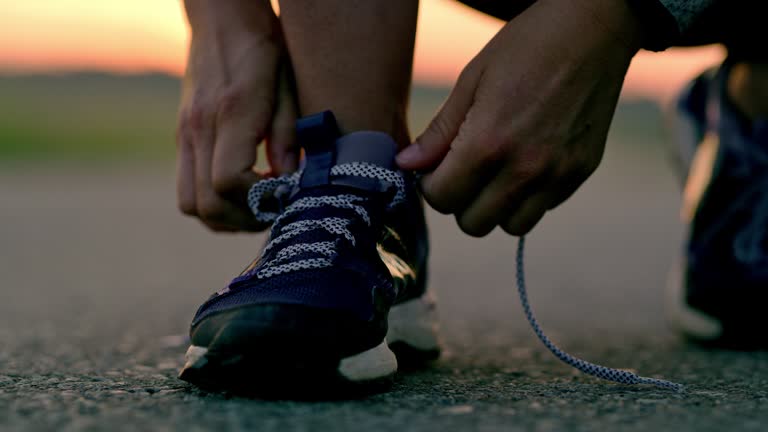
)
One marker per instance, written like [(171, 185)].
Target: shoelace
[(606, 373), (282, 262)]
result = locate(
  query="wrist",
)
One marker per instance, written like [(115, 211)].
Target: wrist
[(618, 20), (231, 16)]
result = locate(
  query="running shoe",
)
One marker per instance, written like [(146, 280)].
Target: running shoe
[(719, 293), (338, 294)]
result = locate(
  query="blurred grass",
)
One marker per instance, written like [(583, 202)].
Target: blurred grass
[(87, 116), (100, 117)]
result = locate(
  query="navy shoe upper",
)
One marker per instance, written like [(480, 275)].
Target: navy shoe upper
[(348, 230)]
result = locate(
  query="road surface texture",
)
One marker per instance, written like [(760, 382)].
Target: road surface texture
[(100, 276)]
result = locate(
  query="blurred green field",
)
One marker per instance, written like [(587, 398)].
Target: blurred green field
[(100, 117), (87, 116)]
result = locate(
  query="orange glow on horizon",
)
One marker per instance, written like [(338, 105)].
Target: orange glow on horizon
[(114, 35), (150, 35)]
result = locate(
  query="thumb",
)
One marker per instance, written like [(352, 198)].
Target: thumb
[(433, 144), (239, 130)]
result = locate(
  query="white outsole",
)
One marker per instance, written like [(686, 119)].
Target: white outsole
[(376, 363), (413, 323), (685, 319)]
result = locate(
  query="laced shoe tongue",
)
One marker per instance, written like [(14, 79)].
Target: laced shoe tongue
[(360, 163), (345, 185)]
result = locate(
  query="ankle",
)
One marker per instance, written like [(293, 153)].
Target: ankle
[(352, 118), (748, 89)]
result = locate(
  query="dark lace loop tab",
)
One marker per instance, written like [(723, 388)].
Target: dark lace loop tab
[(319, 133)]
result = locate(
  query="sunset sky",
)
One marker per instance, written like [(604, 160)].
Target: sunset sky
[(144, 35)]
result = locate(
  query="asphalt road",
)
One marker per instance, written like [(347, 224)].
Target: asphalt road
[(99, 277)]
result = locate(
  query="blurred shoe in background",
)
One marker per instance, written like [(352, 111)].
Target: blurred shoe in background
[(719, 294)]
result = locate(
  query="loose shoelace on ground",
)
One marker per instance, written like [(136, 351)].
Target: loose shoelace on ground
[(284, 261), (606, 373)]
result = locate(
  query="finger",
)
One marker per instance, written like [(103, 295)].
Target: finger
[(567, 185), (212, 209), (282, 148), (495, 203), (241, 124), (527, 215), (503, 203), (430, 148), (217, 227), (185, 171), (474, 159)]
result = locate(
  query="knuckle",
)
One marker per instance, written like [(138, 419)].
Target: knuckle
[(575, 169), (469, 72), (196, 117), (440, 126), (230, 102), (528, 170), (587, 167), (509, 199), (534, 162), (493, 148)]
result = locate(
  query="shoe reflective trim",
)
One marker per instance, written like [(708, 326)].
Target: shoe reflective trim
[(682, 316), (415, 324), (376, 363)]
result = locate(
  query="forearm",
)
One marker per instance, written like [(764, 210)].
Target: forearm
[(216, 16)]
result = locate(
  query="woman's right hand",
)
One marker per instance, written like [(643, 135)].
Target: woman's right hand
[(236, 93)]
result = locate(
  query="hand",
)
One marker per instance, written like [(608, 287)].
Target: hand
[(527, 121), (236, 93)]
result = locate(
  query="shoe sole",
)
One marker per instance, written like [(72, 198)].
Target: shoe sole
[(691, 322), (411, 339)]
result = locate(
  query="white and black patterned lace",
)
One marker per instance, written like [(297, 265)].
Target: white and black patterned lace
[(606, 373), (284, 260)]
